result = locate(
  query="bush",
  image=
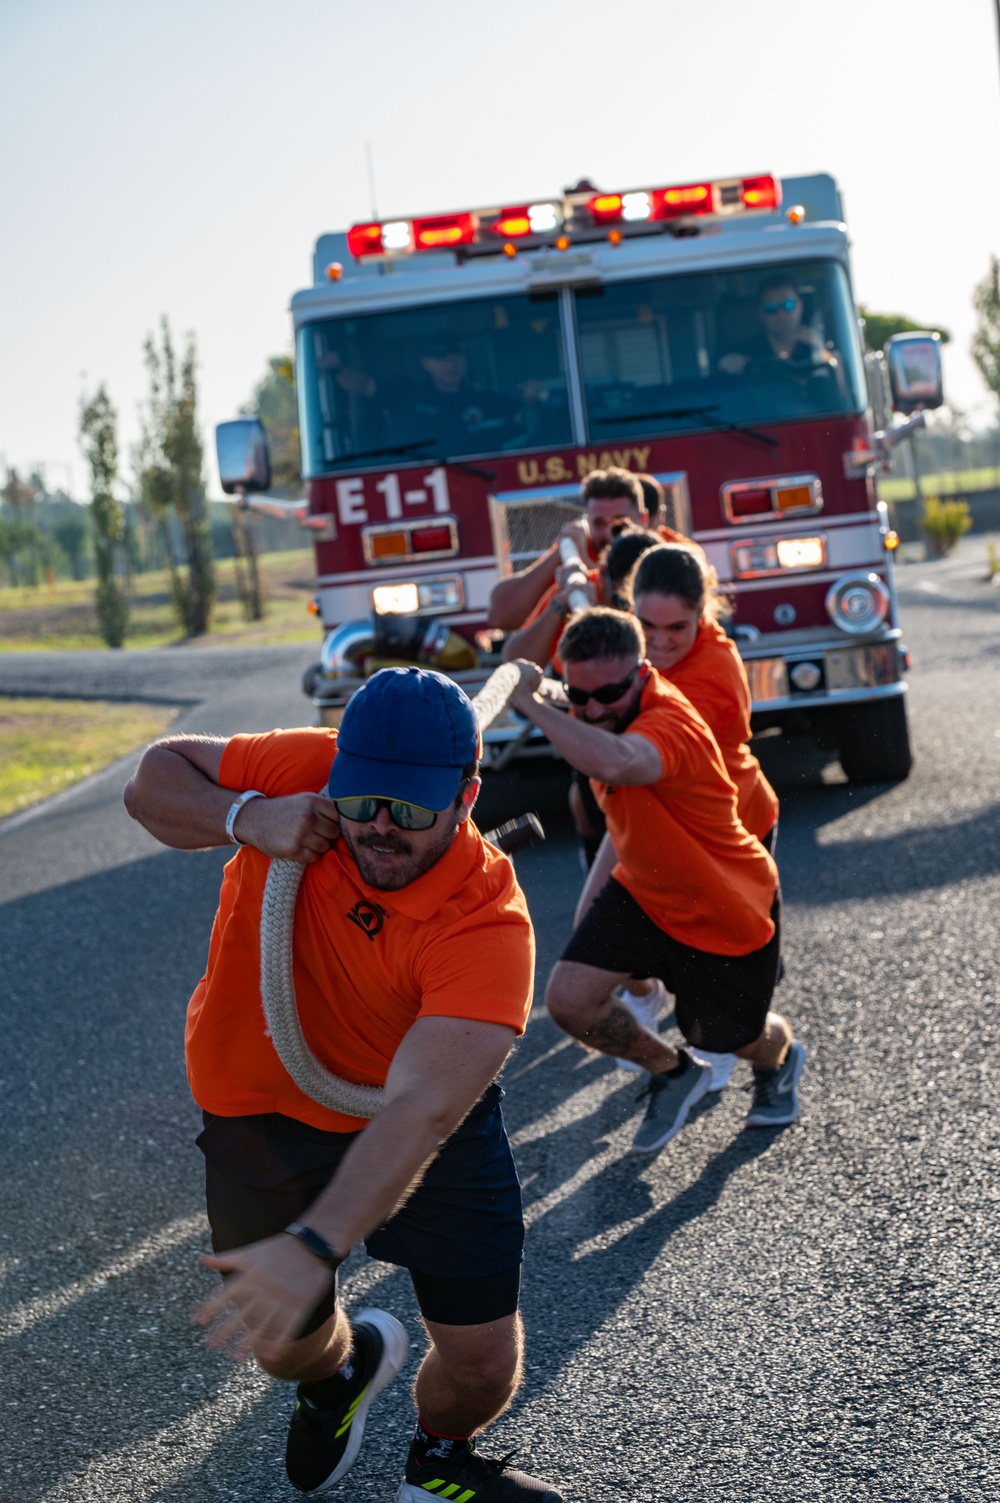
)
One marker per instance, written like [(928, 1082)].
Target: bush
[(992, 562), (944, 522)]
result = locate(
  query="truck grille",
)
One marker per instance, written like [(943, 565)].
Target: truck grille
[(524, 529)]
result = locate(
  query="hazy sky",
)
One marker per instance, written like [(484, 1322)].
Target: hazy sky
[(181, 158)]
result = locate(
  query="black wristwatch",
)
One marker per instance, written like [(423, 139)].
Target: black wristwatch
[(317, 1245)]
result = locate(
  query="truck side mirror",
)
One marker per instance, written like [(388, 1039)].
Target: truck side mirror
[(244, 458), (914, 362)]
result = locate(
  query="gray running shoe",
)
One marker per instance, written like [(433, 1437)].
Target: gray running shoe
[(776, 1092), (670, 1100)]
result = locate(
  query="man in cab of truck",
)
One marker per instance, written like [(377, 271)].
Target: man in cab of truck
[(441, 409), (783, 339)]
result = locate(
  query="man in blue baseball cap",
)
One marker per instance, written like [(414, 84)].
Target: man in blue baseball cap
[(401, 912), (408, 740)]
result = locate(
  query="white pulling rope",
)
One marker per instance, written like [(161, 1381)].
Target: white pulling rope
[(277, 985), (577, 595)]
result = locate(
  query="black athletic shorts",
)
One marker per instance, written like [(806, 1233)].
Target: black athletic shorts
[(460, 1234), (722, 1001)]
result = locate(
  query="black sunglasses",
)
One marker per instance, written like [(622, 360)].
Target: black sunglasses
[(403, 815), (605, 695)]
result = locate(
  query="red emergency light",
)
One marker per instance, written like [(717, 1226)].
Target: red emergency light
[(761, 193), (364, 240), (684, 201), (678, 203), (606, 207), (512, 223), (444, 231), (476, 228)]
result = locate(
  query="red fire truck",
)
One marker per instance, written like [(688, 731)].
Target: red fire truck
[(459, 374)]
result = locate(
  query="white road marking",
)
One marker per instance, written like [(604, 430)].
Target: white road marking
[(140, 1470), (29, 1312)]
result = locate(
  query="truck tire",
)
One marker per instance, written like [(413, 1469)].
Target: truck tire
[(311, 678), (874, 741)]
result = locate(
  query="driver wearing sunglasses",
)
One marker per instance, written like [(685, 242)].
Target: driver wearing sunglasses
[(782, 337)]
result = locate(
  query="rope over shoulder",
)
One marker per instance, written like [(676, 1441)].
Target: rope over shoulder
[(277, 984)]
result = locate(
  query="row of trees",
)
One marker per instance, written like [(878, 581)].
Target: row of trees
[(167, 522), (169, 465)]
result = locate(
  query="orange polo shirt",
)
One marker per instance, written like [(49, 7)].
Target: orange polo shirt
[(682, 852), (713, 678), (455, 943)]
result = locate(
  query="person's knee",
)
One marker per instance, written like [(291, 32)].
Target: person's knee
[(482, 1361), (565, 1006)]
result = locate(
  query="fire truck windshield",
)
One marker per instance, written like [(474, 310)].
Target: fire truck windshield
[(451, 381), (717, 349)]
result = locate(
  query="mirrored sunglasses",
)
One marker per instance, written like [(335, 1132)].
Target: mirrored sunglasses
[(785, 306), (403, 815), (606, 694)]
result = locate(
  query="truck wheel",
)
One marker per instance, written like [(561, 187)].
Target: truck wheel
[(874, 741), (311, 678)]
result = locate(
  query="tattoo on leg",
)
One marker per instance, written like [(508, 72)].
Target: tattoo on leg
[(620, 1034)]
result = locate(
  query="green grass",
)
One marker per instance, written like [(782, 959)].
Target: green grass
[(62, 615), (945, 483), (49, 744)]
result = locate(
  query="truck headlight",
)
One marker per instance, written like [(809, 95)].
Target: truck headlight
[(395, 599), (755, 557), (419, 596), (857, 603)]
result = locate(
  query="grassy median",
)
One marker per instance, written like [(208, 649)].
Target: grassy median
[(61, 615), (48, 744)]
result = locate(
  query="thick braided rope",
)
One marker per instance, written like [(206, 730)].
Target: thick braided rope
[(277, 985)]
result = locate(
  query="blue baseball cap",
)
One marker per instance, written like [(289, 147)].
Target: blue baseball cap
[(406, 734)]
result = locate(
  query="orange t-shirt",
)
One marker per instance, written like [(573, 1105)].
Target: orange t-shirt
[(713, 678), (455, 943), (682, 852)]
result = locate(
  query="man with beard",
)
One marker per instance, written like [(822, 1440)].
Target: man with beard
[(681, 892), (402, 910)]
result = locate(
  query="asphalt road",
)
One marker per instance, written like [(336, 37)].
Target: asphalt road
[(766, 1316)]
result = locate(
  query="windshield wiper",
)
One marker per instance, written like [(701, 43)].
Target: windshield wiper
[(411, 448), (683, 412), (664, 412), (414, 448)]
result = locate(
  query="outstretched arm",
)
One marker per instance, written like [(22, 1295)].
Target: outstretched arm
[(514, 598), (613, 758), (440, 1070), (175, 794)]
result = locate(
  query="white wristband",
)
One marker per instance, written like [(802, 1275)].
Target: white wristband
[(244, 798)]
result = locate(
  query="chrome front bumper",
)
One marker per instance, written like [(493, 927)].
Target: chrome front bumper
[(851, 671)]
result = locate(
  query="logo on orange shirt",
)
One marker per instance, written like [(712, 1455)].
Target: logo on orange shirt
[(368, 916)]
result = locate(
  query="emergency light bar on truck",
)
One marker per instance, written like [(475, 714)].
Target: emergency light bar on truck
[(580, 215)]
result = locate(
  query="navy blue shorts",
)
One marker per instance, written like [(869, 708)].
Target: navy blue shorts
[(721, 1002), (460, 1234)]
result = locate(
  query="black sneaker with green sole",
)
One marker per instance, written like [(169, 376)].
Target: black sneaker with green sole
[(471, 1478), (323, 1444)]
